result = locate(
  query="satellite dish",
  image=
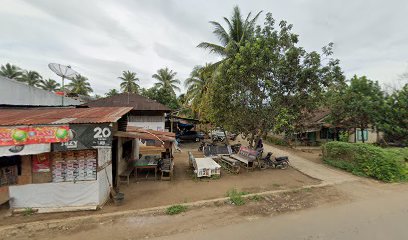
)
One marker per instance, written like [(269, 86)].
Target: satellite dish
[(65, 72)]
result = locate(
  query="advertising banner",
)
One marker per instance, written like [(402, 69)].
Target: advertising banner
[(41, 163), (86, 136), (33, 135)]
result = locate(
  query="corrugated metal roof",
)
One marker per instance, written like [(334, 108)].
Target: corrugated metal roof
[(10, 117), (136, 101)]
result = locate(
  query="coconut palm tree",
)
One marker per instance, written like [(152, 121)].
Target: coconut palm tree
[(166, 79), (237, 32), (79, 86), (49, 85), (111, 92), (197, 84), (128, 83), (10, 71), (32, 78)]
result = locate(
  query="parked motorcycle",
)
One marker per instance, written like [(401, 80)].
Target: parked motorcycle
[(278, 162), (235, 148), (216, 138)]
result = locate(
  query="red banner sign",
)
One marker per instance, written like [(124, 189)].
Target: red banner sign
[(33, 135), (41, 163)]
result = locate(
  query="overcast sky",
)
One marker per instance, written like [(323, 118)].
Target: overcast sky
[(100, 39)]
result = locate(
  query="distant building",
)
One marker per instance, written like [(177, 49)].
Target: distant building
[(316, 130), (14, 93), (146, 113)]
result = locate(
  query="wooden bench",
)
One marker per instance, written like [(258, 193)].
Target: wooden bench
[(125, 176), (246, 156), (229, 163), (167, 169)]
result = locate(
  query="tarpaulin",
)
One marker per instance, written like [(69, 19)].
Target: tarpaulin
[(24, 149)]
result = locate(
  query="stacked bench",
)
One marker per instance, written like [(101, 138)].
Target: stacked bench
[(204, 167)]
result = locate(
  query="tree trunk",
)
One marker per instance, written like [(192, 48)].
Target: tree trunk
[(362, 134)]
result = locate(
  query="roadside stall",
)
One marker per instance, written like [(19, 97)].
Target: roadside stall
[(153, 151), (62, 157)]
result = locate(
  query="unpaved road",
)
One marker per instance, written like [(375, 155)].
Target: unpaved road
[(384, 217)]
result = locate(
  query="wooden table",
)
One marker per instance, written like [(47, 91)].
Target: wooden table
[(147, 167), (147, 162)]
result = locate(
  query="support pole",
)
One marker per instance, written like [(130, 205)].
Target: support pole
[(63, 91)]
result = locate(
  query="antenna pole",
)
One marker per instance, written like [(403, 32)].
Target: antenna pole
[(63, 91)]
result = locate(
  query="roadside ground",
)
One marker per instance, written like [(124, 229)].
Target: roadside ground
[(183, 188), (336, 189)]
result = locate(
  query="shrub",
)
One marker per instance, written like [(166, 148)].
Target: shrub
[(236, 197), (175, 209), (276, 141), (361, 159)]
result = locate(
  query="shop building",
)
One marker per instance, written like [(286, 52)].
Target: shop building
[(58, 159)]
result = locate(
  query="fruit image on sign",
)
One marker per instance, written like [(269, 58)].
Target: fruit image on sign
[(61, 133), (19, 135)]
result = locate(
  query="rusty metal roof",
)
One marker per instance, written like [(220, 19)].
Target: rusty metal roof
[(136, 101), (38, 116)]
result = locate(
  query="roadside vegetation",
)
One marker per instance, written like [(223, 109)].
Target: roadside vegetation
[(385, 164), (236, 197), (176, 209)]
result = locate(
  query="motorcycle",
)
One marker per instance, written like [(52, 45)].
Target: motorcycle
[(278, 162), (235, 148), (216, 139)]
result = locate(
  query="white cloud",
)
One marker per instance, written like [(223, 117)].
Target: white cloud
[(100, 39)]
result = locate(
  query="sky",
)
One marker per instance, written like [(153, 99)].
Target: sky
[(100, 39)]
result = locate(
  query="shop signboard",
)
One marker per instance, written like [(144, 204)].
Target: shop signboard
[(11, 136), (86, 136)]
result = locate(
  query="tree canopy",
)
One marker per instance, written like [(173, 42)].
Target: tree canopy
[(10, 71), (238, 31), (49, 85), (79, 86), (166, 79), (32, 78), (129, 82), (270, 82)]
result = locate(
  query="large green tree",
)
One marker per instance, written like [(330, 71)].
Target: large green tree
[(10, 71), (79, 86), (162, 95), (358, 105), (32, 78), (129, 82), (197, 86), (269, 83), (394, 117), (166, 79), (49, 85), (238, 30)]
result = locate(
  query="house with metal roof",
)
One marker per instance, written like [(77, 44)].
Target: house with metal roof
[(58, 159), (145, 113)]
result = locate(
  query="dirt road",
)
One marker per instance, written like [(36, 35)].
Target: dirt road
[(310, 168), (379, 218)]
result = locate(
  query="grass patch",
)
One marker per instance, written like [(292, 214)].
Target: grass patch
[(236, 197), (28, 212), (175, 209), (385, 164)]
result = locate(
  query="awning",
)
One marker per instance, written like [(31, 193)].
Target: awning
[(24, 149)]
